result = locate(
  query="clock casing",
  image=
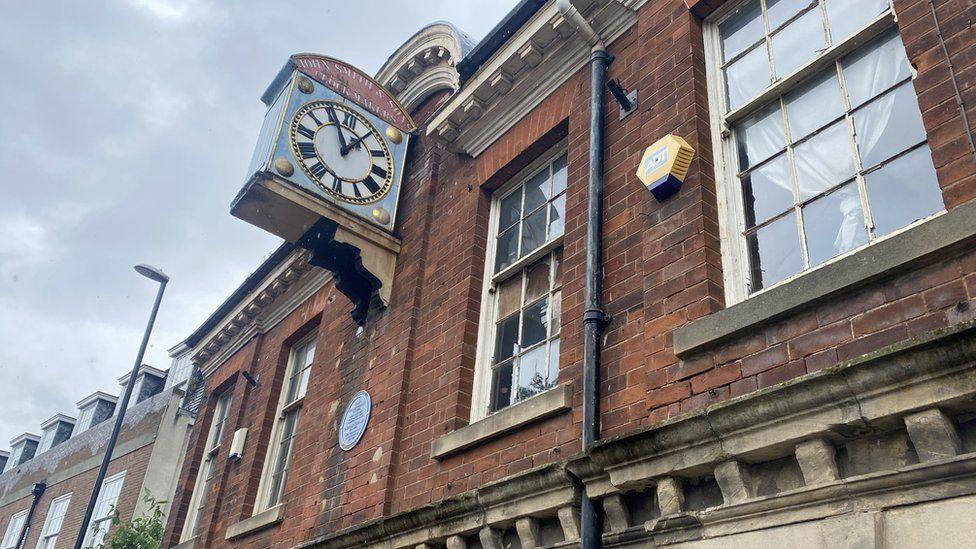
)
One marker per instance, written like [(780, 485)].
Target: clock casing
[(326, 173)]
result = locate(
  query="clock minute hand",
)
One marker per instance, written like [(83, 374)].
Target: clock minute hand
[(354, 143), (338, 127)]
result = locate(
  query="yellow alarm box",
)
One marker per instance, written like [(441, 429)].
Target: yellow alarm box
[(664, 166)]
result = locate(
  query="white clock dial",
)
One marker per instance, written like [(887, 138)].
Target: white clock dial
[(341, 151)]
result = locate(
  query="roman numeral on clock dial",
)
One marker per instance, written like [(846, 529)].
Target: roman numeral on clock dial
[(306, 132), (307, 150), (371, 185), (317, 169)]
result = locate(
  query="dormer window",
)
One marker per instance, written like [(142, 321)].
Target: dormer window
[(93, 410), (22, 450), (4, 458), (55, 431), (149, 382)]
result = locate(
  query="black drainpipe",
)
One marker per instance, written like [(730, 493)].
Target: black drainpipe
[(37, 490), (594, 318)]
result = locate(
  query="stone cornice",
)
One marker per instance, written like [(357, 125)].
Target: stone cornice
[(286, 287), (875, 393), (543, 489), (919, 373), (543, 54), (423, 65)]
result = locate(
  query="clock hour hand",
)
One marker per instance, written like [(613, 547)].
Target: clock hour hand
[(338, 127), (354, 143)]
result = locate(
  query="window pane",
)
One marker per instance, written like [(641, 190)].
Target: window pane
[(846, 16), (506, 338), (775, 252), (834, 224), (506, 251), (302, 383), (888, 125), (760, 136), (871, 70), (559, 175), (553, 362), (293, 382), (741, 29), (537, 280), (509, 210), (536, 190), (903, 191), (557, 217), (778, 11), (535, 323), (509, 296), (747, 77), (557, 277), (533, 367), (555, 312), (501, 387), (824, 160), (533, 231), (767, 191), (798, 43), (814, 105)]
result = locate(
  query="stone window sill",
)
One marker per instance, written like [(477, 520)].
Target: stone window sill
[(551, 402), (188, 544), (928, 242), (260, 521)]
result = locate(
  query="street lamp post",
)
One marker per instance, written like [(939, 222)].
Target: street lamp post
[(151, 273)]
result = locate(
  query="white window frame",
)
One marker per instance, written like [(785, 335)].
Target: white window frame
[(14, 526), (731, 210), (85, 417), (13, 458), (53, 522), (104, 509), (481, 390), (206, 470), (284, 409)]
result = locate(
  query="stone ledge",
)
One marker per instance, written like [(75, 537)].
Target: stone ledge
[(551, 402), (925, 372), (258, 522), (931, 241), (188, 544)]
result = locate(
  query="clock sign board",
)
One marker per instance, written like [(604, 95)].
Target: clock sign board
[(326, 172), (354, 420)]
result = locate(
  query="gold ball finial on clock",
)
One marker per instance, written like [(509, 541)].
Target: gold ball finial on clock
[(381, 215), (284, 167), (394, 135), (305, 85)]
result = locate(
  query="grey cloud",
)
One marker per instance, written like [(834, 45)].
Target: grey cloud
[(126, 131)]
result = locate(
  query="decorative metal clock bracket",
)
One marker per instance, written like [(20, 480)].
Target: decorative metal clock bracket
[(346, 264)]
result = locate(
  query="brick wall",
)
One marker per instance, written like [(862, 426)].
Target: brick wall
[(662, 270)]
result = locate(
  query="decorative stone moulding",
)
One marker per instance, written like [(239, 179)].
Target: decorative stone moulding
[(425, 63), (539, 57), (831, 451), (284, 289)]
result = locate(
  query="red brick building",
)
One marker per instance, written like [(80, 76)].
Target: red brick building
[(47, 489), (790, 356)]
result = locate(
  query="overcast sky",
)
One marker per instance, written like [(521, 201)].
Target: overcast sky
[(125, 131)]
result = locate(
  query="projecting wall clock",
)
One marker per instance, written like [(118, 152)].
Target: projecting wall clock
[(327, 170), (341, 152)]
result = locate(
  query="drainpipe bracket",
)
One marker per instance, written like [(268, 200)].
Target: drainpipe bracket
[(597, 316)]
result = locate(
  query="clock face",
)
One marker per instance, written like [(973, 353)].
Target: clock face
[(341, 151)]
